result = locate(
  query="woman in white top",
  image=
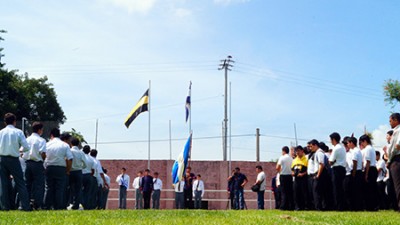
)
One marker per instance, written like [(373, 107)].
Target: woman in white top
[(371, 173)]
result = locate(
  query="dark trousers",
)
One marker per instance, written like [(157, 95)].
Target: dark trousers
[(395, 176), (300, 192), (197, 199), (35, 180), (260, 199), (86, 188), (179, 200), (319, 192), (139, 199), (232, 198), (146, 199), (310, 195), (371, 200), (188, 198), (99, 199), (383, 198), (104, 198), (277, 197), (339, 173), (156, 199), (392, 201), (122, 197), (348, 187), (93, 193), (75, 187), (55, 187), (287, 192), (11, 166)]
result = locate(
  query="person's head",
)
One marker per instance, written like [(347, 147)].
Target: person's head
[(93, 153), (86, 149), (233, 171), (389, 136), (123, 170), (285, 150), (313, 145), (104, 170), (66, 137), (378, 155), (394, 120), (55, 133), (364, 141), (10, 119), (352, 142), (259, 168), (37, 127), (198, 177), (74, 141), (146, 172), (299, 151), (335, 138), (155, 174), (237, 170), (323, 146), (188, 169), (140, 173)]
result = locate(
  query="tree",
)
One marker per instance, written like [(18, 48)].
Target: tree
[(392, 92)]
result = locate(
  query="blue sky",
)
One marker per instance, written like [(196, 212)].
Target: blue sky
[(319, 64)]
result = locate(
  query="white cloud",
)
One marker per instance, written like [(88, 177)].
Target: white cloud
[(229, 2), (380, 136), (181, 12), (142, 6)]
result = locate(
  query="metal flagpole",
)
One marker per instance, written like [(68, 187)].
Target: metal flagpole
[(148, 151), (295, 134), (97, 132), (190, 107), (170, 141), (230, 127)]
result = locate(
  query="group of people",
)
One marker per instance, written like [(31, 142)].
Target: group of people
[(148, 189), (35, 174), (350, 176)]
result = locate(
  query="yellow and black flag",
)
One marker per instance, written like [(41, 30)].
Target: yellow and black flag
[(141, 106)]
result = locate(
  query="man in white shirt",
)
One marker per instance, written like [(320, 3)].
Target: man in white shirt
[(198, 191), (58, 164), (156, 191), (75, 177), (101, 180), (138, 194), (261, 180), (394, 155), (371, 173), (283, 167), (355, 164), (34, 173), (105, 190), (11, 140), (337, 160), (179, 195), (123, 183), (381, 167), (88, 181)]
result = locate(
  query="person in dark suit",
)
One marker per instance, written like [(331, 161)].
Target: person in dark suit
[(146, 188)]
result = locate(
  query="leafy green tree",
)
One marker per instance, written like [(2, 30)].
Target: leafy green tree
[(392, 92)]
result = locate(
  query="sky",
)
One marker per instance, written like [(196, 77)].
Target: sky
[(316, 65)]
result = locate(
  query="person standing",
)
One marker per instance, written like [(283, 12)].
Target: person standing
[(261, 180), (157, 183), (179, 194), (123, 183), (393, 152), (337, 160), (58, 164), (299, 172), (356, 178), (283, 168), (188, 188), (87, 179), (198, 191), (75, 177), (370, 173), (11, 140), (101, 180), (34, 173), (147, 188), (138, 194), (381, 167), (239, 181), (106, 190), (311, 172), (231, 191), (275, 188)]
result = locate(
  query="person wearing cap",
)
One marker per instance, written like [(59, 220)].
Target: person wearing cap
[(123, 183)]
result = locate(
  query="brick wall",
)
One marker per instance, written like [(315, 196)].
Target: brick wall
[(214, 175)]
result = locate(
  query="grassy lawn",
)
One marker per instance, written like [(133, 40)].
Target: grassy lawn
[(197, 217)]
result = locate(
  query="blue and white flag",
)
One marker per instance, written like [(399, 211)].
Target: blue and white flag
[(188, 102), (179, 167)]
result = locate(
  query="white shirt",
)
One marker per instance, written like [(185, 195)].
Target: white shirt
[(319, 157), (394, 141), (381, 165), (157, 184), (108, 180), (369, 155), (79, 161), (198, 185), (136, 182), (37, 147), (349, 162), (179, 186), (261, 177), (285, 161), (11, 140), (23, 164), (338, 156), (123, 180), (90, 164), (98, 171), (310, 167), (57, 152), (357, 156)]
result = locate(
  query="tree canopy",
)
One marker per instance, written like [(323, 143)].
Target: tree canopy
[(392, 92)]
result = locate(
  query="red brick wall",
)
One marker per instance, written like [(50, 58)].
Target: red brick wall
[(214, 174)]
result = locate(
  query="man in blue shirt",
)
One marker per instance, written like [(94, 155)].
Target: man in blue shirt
[(239, 181)]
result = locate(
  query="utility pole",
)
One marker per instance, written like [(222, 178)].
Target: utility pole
[(226, 65)]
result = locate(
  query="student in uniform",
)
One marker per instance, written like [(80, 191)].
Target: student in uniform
[(138, 194), (283, 167), (299, 173), (356, 165), (370, 173), (381, 167), (157, 191), (337, 160), (198, 191), (123, 183), (179, 194)]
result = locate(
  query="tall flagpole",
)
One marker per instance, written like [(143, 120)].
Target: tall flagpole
[(190, 108), (148, 151), (97, 132)]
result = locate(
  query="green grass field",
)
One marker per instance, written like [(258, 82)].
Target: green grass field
[(197, 217)]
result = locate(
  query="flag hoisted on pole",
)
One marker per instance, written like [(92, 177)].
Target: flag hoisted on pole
[(179, 167), (141, 106), (188, 107)]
